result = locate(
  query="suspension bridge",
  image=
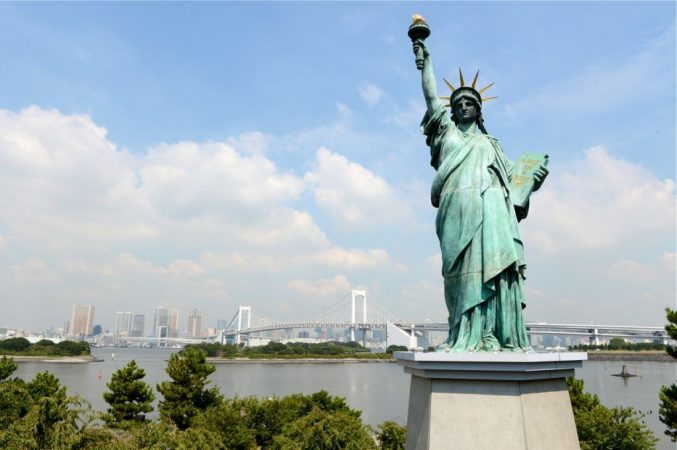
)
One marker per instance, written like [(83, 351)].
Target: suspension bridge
[(354, 314)]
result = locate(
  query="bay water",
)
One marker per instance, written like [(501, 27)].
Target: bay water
[(379, 390)]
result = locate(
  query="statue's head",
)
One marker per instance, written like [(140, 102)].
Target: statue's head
[(465, 101), (466, 105)]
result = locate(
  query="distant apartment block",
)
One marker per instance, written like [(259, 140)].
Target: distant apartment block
[(195, 323), (161, 322), (123, 323), (173, 323), (138, 325), (82, 320)]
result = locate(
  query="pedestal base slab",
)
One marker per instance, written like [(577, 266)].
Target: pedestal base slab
[(490, 401)]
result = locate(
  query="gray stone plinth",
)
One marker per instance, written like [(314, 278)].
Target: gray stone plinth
[(490, 400)]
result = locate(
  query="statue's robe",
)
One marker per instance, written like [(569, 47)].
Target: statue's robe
[(482, 252)]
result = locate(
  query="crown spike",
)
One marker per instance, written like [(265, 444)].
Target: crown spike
[(460, 76), (486, 87), (451, 86), (474, 80), (488, 98), (445, 98)]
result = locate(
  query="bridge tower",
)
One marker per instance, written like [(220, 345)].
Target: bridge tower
[(240, 310), (353, 297)]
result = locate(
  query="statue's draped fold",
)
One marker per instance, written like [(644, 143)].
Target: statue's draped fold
[(482, 253)]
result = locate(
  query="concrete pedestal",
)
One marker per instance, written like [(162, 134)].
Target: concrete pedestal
[(490, 400)]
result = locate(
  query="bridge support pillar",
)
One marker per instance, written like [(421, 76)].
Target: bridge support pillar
[(490, 400)]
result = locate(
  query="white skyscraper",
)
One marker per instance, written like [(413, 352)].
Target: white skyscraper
[(123, 323), (82, 320), (161, 322), (195, 323)]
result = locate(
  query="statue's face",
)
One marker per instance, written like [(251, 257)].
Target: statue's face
[(465, 110)]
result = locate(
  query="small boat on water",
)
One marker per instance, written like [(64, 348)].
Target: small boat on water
[(624, 373)]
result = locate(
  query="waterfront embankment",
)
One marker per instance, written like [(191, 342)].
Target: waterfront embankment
[(607, 355), (55, 359), (297, 360)]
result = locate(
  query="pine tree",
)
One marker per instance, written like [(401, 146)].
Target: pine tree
[(667, 412), (186, 394), (129, 397)]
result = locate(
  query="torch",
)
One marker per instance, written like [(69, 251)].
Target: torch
[(418, 30)]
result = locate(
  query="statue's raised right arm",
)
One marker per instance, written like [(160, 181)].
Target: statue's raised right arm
[(432, 101)]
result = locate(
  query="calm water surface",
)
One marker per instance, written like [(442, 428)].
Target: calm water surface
[(380, 391)]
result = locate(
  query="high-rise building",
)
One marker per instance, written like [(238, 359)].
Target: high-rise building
[(123, 323), (161, 321), (173, 323), (82, 320), (195, 323), (221, 324), (138, 325)]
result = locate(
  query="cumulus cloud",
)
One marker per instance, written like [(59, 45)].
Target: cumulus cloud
[(184, 222), (371, 94), (34, 270), (322, 287), (188, 179), (353, 194), (599, 202), (599, 237)]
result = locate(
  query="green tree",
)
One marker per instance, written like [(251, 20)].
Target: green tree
[(396, 348), (70, 348), (667, 412), (7, 367), (129, 398), (38, 414), (391, 436), (186, 394), (602, 428), (228, 422), (325, 430), (616, 343), (15, 344)]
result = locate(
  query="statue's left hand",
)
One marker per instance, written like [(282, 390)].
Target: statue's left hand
[(539, 177)]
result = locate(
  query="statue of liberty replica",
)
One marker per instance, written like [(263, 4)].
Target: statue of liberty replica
[(480, 197)]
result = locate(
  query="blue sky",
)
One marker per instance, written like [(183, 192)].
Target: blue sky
[(268, 153)]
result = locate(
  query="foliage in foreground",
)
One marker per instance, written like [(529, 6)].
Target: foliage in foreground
[(391, 435), (128, 396), (186, 394), (38, 415), (601, 428), (667, 412)]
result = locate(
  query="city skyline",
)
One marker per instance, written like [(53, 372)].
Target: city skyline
[(153, 154)]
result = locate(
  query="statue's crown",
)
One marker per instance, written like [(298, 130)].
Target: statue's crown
[(464, 91)]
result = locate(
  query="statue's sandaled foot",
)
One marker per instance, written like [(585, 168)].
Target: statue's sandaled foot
[(443, 348)]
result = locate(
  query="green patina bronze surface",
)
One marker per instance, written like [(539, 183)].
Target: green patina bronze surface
[(477, 221)]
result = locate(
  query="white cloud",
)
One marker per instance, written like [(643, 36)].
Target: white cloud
[(322, 287), (186, 222), (344, 110), (371, 94), (351, 259), (284, 227), (637, 271), (189, 179), (353, 194), (34, 270), (599, 202)]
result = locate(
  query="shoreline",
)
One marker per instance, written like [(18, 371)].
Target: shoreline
[(297, 360), (658, 356), (54, 359)]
